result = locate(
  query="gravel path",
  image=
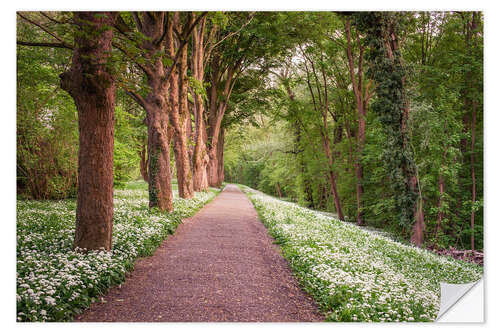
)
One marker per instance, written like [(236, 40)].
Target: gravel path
[(220, 265)]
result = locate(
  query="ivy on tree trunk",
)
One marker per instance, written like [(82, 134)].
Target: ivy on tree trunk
[(391, 106)]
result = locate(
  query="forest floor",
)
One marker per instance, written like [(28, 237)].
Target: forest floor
[(54, 282), (355, 274), (220, 265)]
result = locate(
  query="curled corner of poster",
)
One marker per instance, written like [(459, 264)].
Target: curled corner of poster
[(462, 303)]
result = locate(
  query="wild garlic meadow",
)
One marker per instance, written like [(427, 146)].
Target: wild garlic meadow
[(54, 282), (355, 274)]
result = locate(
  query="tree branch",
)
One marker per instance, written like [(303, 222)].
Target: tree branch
[(57, 45), (183, 43), (165, 28), (137, 21), (52, 19), (136, 97), (144, 68), (46, 30), (234, 32)]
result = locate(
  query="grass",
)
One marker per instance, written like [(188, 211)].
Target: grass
[(356, 274), (53, 282)]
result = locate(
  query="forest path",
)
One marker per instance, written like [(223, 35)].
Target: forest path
[(220, 265)]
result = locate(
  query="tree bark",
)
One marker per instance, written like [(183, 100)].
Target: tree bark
[(220, 158), (93, 89), (156, 106), (217, 108), (418, 228), (159, 136), (200, 155), (179, 114)]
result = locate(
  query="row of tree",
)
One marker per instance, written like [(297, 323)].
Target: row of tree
[(179, 70), (377, 117)]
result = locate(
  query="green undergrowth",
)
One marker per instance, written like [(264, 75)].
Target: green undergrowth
[(53, 282), (355, 274)]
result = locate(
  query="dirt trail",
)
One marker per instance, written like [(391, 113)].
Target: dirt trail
[(220, 265)]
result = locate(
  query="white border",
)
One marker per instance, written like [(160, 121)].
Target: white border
[(7, 130)]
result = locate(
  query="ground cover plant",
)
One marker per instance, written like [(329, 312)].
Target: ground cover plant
[(356, 274), (54, 282)]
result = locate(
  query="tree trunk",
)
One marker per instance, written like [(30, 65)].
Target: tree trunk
[(160, 180), (473, 33), (213, 164), (333, 189), (179, 114), (200, 155), (331, 175), (93, 89), (217, 108), (408, 167), (220, 158), (473, 175), (440, 207), (418, 228), (278, 188), (144, 163), (156, 106)]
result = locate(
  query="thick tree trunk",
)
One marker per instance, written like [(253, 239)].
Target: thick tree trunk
[(93, 88), (215, 120), (156, 106), (200, 154), (179, 114), (160, 180)]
